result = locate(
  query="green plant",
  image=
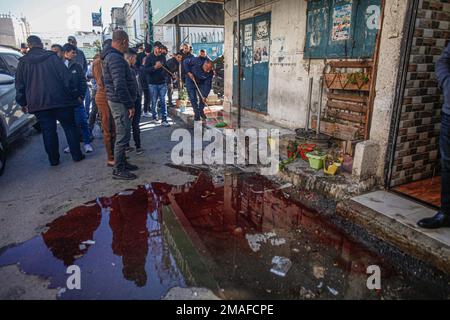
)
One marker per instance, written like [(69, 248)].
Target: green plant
[(183, 95)]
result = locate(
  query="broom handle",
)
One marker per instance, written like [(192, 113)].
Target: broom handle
[(167, 70), (200, 93)]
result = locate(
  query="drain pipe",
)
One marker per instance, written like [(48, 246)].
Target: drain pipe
[(319, 112), (238, 7), (308, 112)]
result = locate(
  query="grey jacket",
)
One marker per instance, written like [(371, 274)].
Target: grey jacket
[(443, 75)]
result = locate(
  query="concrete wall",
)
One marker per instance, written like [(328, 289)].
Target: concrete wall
[(289, 73), (387, 76)]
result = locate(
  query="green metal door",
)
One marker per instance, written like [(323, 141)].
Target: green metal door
[(255, 43)]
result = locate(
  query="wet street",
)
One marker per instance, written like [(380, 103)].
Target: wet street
[(235, 233)]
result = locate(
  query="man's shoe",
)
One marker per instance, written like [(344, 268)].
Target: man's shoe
[(129, 149), (140, 151), (440, 220), (81, 159), (131, 167), (124, 175), (67, 150), (88, 148), (166, 124)]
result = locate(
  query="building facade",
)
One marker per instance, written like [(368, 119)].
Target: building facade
[(375, 60)]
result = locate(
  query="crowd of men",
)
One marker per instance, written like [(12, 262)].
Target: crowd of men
[(126, 83)]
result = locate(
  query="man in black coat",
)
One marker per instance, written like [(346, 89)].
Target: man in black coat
[(44, 88), (121, 93), (80, 83), (173, 65), (442, 218)]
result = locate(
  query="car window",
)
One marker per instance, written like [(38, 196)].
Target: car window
[(12, 61), (3, 67)]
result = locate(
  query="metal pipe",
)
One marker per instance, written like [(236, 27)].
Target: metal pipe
[(319, 112), (238, 7), (308, 112)]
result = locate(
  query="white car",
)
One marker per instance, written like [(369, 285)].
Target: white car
[(13, 122)]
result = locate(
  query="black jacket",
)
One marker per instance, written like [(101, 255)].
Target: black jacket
[(155, 76), (443, 75), (43, 82), (78, 78), (137, 85), (117, 77), (81, 60)]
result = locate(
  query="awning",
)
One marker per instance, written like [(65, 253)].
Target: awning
[(189, 12)]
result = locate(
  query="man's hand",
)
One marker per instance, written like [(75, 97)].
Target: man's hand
[(205, 101), (131, 112), (25, 109), (158, 65)]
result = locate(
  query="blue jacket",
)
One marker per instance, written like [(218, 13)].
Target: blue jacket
[(43, 82), (443, 75), (118, 79), (195, 66), (155, 76)]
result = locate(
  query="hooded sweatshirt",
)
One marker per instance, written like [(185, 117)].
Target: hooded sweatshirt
[(43, 82)]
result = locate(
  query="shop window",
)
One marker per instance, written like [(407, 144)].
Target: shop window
[(342, 28)]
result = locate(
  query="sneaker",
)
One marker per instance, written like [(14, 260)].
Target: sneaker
[(131, 167), (124, 175), (166, 124), (147, 115), (140, 151), (67, 150), (156, 121), (88, 148), (129, 149), (82, 158)]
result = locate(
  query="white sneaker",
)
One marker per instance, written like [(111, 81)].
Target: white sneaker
[(67, 150), (88, 148), (147, 115), (166, 124)]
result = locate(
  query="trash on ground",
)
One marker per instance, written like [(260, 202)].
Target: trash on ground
[(334, 292), (285, 186), (255, 241), (88, 242), (281, 266)]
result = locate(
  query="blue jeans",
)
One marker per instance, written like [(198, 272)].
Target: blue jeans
[(82, 124), (66, 118), (197, 104), (87, 101), (445, 159), (159, 92)]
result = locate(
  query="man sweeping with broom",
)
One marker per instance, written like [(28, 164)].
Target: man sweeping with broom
[(198, 84)]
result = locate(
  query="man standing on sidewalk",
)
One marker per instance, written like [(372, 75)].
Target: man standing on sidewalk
[(442, 218), (199, 78), (173, 65), (131, 57), (80, 83), (156, 78), (43, 88), (121, 94), (108, 126)]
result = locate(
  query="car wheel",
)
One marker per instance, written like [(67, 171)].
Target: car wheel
[(3, 149)]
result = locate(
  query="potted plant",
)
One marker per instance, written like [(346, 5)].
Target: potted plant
[(182, 99), (333, 162), (316, 159)]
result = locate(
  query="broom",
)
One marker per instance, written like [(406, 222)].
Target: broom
[(218, 123)]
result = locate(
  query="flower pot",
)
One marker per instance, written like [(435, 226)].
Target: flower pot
[(333, 169), (304, 149), (316, 162)]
